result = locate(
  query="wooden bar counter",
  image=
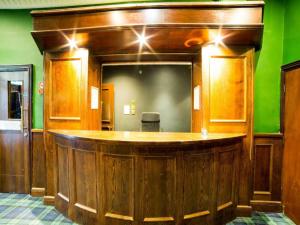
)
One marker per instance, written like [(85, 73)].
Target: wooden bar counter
[(135, 178)]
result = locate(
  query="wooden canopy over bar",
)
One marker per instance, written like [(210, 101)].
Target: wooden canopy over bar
[(170, 27)]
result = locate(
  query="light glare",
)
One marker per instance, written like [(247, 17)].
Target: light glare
[(72, 43), (142, 39), (218, 39)]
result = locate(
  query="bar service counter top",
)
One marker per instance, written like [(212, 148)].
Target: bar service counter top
[(155, 178)]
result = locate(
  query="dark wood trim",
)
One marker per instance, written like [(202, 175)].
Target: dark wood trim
[(268, 135), (285, 68), (267, 206), (36, 130), (147, 6), (265, 197)]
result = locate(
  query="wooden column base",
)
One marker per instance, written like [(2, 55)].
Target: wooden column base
[(37, 192), (266, 206), (49, 200), (244, 211)]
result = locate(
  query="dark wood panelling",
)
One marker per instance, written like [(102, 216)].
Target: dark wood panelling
[(159, 185), (38, 169), (267, 167), (263, 168), (118, 188), (226, 180), (290, 95), (115, 182), (83, 183), (62, 197), (198, 173)]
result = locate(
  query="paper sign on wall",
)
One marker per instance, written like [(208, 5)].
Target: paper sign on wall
[(126, 110), (197, 97), (94, 97)]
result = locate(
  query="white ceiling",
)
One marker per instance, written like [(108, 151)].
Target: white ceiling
[(31, 4)]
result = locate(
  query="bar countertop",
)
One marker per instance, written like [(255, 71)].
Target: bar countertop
[(145, 137)]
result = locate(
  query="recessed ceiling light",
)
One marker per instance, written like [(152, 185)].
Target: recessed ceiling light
[(142, 39), (218, 39), (72, 43)]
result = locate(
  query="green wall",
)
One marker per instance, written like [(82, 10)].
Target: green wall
[(17, 47), (292, 32), (267, 71)]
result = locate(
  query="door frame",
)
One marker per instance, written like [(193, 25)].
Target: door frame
[(284, 69), (29, 68)]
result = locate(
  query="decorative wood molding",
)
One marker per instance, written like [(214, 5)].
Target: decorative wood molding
[(244, 211), (197, 214), (120, 217), (37, 192), (268, 135), (49, 200), (149, 6), (267, 206), (36, 130)]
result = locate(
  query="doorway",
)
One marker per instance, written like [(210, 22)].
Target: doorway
[(15, 126), (290, 113)]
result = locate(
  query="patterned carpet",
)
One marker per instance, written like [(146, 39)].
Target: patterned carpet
[(22, 209)]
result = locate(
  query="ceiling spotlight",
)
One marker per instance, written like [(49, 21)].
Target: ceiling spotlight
[(218, 39), (142, 39), (72, 43)]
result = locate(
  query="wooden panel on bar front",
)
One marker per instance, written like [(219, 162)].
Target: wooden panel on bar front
[(159, 185), (118, 184), (268, 153), (62, 197), (198, 171), (83, 182)]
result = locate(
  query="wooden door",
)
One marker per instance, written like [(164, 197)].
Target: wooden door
[(107, 96), (291, 153), (227, 95), (15, 124)]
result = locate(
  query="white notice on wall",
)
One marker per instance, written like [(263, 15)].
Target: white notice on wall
[(94, 97), (197, 97), (126, 109)]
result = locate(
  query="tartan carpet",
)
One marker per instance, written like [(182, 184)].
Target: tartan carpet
[(22, 209)]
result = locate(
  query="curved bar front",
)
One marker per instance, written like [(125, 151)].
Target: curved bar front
[(135, 178)]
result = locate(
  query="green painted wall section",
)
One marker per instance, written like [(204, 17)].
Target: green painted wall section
[(292, 32), (267, 70), (18, 47)]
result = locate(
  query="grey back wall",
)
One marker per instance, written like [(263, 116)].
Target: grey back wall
[(154, 88)]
